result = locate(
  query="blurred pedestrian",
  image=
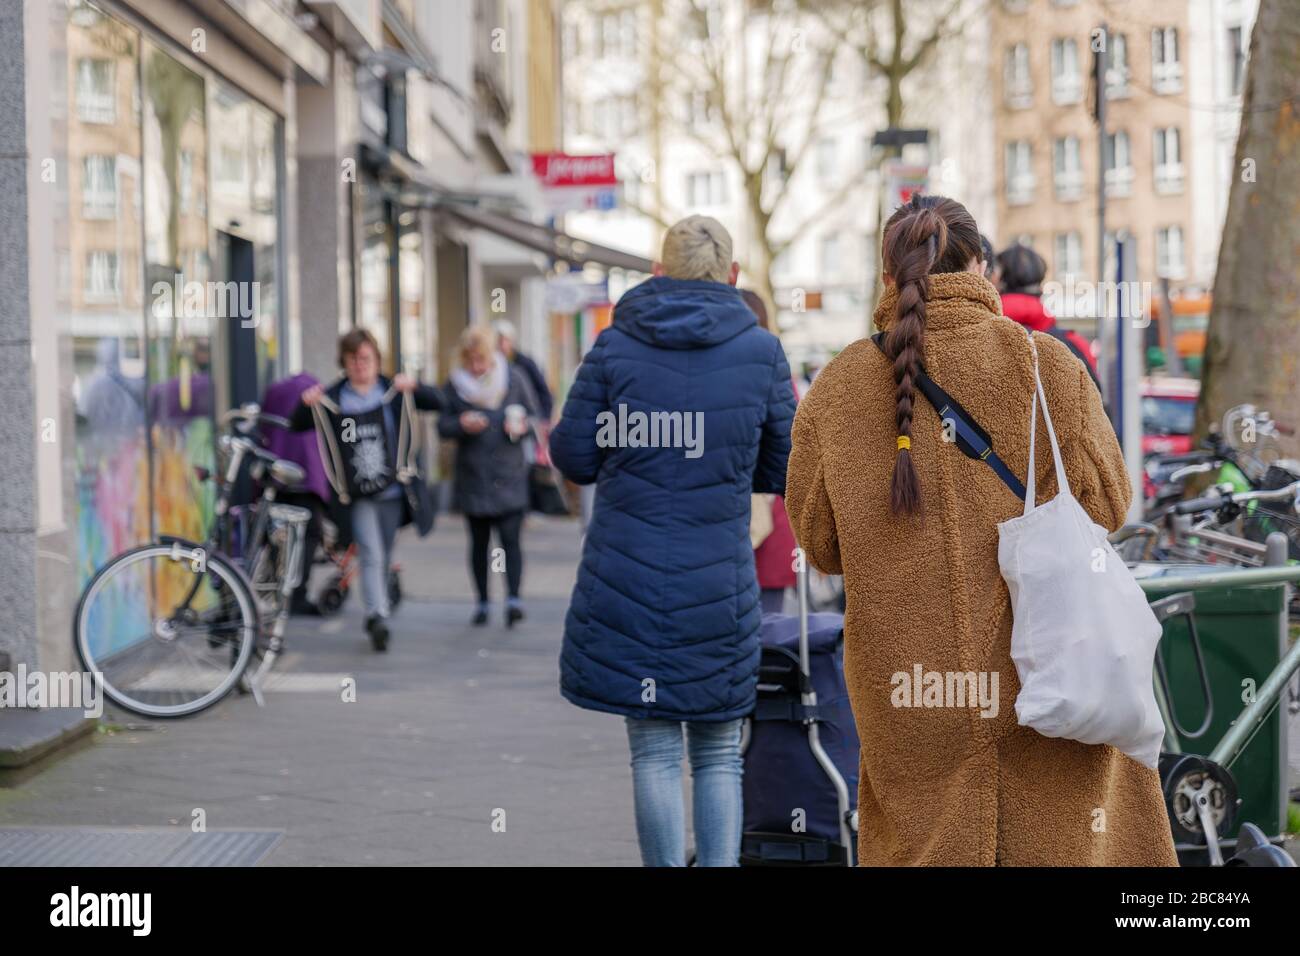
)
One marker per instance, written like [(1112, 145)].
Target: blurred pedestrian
[(508, 342), (878, 494), (489, 407), (374, 517), (663, 624), (281, 399), (769, 526), (988, 261), (1020, 273)]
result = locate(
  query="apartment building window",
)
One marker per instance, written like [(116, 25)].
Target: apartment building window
[(1067, 83), (705, 189), (1020, 173), (1166, 70), (1170, 258), (616, 35), (1069, 254), (1119, 165), (98, 187), (1168, 161), (1018, 84), (1067, 169), (826, 160), (96, 81), (1015, 6), (1236, 60), (100, 283), (698, 110), (1117, 75), (829, 254), (572, 44)]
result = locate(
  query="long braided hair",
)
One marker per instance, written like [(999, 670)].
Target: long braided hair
[(928, 235)]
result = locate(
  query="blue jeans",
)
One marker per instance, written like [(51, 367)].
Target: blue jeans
[(374, 528), (714, 750)]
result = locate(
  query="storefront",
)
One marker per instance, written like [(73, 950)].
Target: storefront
[(171, 267)]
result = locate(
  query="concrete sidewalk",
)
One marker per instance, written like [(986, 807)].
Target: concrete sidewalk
[(452, 728)]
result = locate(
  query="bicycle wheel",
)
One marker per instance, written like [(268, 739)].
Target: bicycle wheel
[(273, 573), (166, 629)]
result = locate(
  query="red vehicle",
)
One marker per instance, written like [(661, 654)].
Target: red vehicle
[(1168, 415)]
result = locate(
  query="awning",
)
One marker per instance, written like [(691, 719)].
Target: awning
[(552, 242)]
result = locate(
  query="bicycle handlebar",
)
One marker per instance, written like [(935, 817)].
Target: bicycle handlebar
[(1237, 497), (251, 414)]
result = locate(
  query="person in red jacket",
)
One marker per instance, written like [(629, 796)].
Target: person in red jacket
[(774, 554), (1020, 281)]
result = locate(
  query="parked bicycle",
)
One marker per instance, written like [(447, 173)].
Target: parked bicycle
[(169, 628)]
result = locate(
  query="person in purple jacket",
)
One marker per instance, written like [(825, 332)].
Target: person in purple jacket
[(300, 448)]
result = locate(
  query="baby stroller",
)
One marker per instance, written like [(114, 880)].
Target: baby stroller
[(338, 550), (800, 747)]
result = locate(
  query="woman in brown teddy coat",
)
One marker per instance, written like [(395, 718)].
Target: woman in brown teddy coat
[(876, 493)]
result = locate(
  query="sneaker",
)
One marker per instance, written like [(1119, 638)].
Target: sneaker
[(480, 616), (513, 613), (377, 628)]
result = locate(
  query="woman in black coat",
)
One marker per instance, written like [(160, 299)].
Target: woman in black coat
[(487, 411)]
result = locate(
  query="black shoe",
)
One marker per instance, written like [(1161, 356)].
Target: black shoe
[(303, 607), (480, 617), (514, 613), (377, 628)]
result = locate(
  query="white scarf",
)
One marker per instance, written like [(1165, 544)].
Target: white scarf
[(485, 391)]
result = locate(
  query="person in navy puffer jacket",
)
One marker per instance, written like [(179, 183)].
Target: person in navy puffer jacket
[(680, 411)]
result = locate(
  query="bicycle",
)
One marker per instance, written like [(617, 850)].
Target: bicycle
[(170, 627)]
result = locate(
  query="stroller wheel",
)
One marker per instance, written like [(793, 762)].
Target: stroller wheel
[(394, 588), (331, 598)]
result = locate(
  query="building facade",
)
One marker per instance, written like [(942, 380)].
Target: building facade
[(633, 87), (199, 197), (1173, 99)]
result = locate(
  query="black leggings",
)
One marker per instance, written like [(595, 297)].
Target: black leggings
[(480, 535)]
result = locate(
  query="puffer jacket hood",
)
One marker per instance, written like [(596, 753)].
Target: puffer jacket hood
[(682, 313)]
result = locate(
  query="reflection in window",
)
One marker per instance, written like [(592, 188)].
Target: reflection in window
[(96, 102), (99, 187), (180, 396), (411, 272), (101, 276), (245, 210), (101, 296)]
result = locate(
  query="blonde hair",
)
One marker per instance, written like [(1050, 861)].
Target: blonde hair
[(697, 247), (477, 340)]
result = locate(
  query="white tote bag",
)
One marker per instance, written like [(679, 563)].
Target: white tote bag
[(1083, 637)]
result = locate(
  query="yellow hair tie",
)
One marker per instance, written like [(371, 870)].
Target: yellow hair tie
[(904, 442)]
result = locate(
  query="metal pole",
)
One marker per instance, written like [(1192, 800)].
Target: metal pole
[(1236, 577)]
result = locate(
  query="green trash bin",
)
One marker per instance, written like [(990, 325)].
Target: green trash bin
[(1243, 637)]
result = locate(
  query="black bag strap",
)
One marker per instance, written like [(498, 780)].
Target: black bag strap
[(973, 440)]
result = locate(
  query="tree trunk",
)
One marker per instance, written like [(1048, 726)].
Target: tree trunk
[(1253, 345)]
